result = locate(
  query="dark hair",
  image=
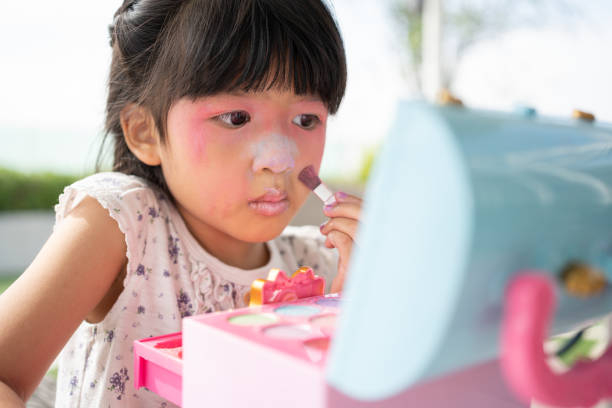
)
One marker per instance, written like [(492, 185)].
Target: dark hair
[(164, 50)]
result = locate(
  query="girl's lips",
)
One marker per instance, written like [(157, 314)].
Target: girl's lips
[(273, 202), (272, 195), (269, 208)]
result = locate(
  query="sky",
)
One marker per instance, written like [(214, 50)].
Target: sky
[(555, 68), (56, 56)]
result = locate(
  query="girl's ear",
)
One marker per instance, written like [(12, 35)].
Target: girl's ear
[(140, 133)]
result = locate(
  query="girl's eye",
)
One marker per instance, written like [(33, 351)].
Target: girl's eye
[(234, 119), (306, 121)]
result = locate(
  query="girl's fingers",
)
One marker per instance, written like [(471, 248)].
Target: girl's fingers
[(347, 225), (343, 197), (341, 230), (343, 209), (338, 282), (344, 244)]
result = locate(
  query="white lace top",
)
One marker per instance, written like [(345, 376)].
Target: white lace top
[(169, 276)]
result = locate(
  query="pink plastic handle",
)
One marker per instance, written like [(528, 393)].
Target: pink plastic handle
[(530, 301)]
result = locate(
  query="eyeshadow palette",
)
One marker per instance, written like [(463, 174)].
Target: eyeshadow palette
[(286, 340)]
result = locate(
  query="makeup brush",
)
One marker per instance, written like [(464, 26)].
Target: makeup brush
[(309, 177)]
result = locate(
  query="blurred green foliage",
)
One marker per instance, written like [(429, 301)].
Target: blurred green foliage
[(6, 281), (31, 191), (366, 165)]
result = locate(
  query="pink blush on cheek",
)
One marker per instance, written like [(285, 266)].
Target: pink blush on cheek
[(186, 128), (197, 144)]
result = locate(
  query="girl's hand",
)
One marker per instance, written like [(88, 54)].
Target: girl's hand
[(341, 230)]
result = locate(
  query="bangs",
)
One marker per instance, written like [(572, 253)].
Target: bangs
[(253, 46)]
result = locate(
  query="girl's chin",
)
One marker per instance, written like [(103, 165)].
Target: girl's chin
[(263, 231)]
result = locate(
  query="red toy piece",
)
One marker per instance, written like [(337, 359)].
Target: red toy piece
[(280, 288)]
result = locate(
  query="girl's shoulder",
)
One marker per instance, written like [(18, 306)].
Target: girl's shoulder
[(115, 192), (109, 183), (131, 201)]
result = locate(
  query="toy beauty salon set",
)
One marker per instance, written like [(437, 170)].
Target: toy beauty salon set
[(483, 234)]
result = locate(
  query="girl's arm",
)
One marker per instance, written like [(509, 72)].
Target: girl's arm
[(67, 279), (8, 398)]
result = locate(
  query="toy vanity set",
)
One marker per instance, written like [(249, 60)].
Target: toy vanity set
[(483, 234)]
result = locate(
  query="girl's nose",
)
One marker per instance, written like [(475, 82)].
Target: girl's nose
[(275, 153)]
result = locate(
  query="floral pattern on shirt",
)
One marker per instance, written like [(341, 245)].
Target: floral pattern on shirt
[(118, 381)]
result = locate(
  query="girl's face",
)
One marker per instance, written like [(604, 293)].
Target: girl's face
[(232, 161)]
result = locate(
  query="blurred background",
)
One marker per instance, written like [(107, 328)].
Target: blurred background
[(493, 54)]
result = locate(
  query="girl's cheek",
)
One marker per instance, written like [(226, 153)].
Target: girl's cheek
[(214, 198), (312, 149), (229, 197), (207, 142), (197, 144), (187, 131)]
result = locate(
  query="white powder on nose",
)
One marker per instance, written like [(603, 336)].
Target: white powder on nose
[(275, 152)]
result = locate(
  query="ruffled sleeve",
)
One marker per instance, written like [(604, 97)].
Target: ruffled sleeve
[(129, 200)]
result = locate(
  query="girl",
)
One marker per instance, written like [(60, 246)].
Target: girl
[(214, 107)]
